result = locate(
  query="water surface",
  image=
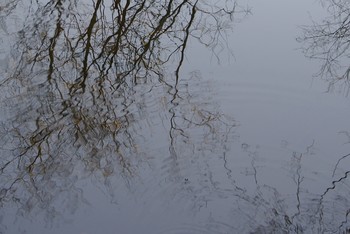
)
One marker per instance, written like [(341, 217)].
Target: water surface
[(169, 117)]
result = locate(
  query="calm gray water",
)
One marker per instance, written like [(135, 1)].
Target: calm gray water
[(173, 117)]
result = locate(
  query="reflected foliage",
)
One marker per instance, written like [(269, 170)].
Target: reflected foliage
[(328, 41), (85, 82)]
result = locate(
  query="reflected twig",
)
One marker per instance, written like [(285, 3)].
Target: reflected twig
[(336, 165)]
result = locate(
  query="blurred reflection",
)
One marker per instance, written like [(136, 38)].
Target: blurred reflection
[(307, 210), (84, 85), (328, 41), (292, 198)]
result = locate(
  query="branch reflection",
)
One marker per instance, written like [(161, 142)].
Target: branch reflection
[(328, 41), (308, 210), (265, 197), (84, 84)]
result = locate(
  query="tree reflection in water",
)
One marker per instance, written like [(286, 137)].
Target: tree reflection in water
[(90, 91), (328, 41), (83, 86), (307, 210), (259, 203)]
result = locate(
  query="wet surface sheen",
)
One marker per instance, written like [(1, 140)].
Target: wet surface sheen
[(163, 116)]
